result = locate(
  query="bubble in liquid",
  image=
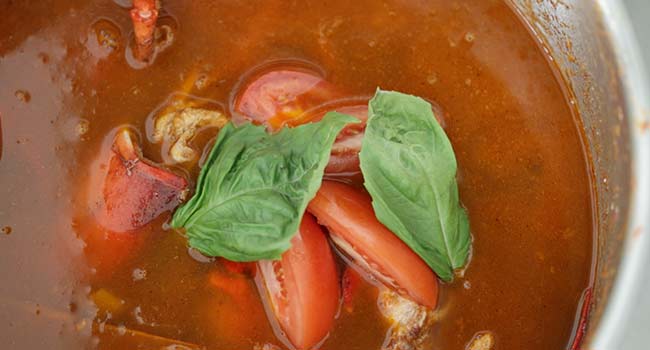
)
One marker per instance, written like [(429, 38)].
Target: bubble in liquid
[(83, 126), (107, 34), (139, 274)]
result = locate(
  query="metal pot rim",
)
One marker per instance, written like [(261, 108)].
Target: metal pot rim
[(626, 290)]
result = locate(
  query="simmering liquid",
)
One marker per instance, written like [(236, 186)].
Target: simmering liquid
[(66, 83)]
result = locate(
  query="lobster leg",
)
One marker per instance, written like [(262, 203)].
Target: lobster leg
[(144, 16)]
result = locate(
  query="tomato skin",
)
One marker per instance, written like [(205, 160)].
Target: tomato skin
[(280, 97), (345, 151), (287, 97), (348, 214), (303, 287), (292, 96)]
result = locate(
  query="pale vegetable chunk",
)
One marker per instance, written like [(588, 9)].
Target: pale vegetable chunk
[(410, 322), (177, 128)]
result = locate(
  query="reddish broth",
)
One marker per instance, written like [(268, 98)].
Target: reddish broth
[(66, 85)]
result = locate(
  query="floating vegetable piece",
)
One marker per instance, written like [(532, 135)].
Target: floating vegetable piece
[(409, 169), (287, 97), (348, 214), (411, 324), (303, 287), (345, 152), (107, 301), (254, 188), (280, 97), (176, 129)]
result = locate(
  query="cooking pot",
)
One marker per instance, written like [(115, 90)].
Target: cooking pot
[(593, 44)]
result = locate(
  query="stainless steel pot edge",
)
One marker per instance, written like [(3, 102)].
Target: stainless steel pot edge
[(636, 255)]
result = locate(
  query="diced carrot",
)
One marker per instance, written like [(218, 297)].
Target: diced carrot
[(107, 301)]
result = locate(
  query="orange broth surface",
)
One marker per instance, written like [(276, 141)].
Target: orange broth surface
[(66, 85)]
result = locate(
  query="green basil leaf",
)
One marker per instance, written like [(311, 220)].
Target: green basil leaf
[(254, 188), (409, 169)]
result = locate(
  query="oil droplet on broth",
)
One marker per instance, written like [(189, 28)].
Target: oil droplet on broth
[(139, 274), (6, 230), (82, 127)]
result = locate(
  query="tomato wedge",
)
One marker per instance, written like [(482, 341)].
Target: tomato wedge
[(280, 97), (345, 151), (348, 214), (302, 288), (288, 97)]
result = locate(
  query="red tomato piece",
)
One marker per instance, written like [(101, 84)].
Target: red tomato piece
[(291, 97), (286, 97), (345, 151), (303, 287), (280, 97), (348, 214)]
